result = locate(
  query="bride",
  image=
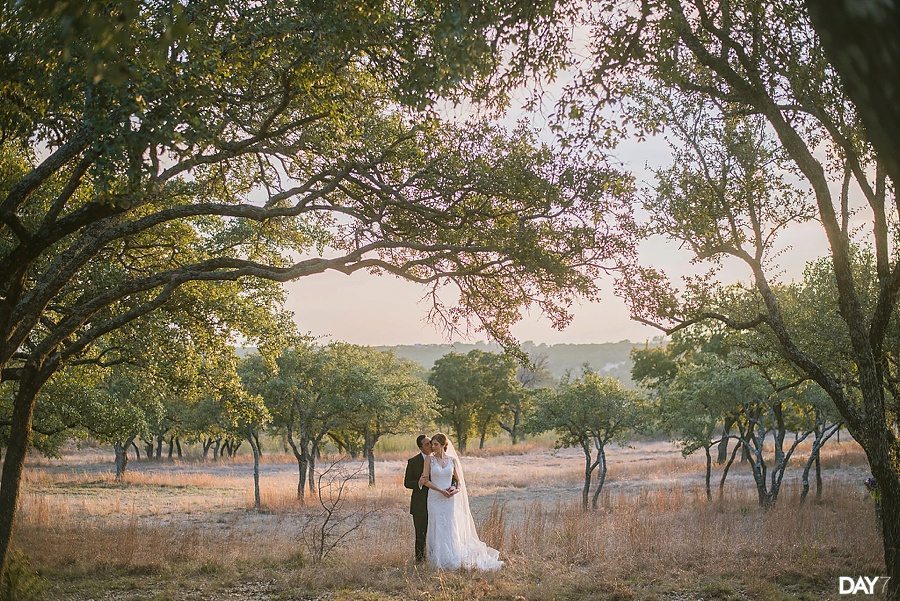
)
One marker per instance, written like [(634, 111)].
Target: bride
[(451, 539)]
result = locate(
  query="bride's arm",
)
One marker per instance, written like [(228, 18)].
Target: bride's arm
[(426, 479)]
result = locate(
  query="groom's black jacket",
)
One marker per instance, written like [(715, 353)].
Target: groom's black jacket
[(418, 501)]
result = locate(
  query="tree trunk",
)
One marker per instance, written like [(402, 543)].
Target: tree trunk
[(121, 460), (879, 452), (709, 470), (588, 472), (159, 444), (137, 451), (258, 446), (481, 441), (757, 465), (256, 499), (601, 477), (148, 448), (370, 456), (822, 435), (723, 443), (171, 446), (300, 454), (17, 447), (461, 438), (311, 459), (818, 477), (217, 449), (804, 479), (734, 452), (178, 448), (890, 524)]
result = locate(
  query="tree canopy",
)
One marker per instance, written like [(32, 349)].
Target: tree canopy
[(146, 146), (763, 135)]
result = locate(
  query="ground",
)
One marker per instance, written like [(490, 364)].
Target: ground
[(188, 530)]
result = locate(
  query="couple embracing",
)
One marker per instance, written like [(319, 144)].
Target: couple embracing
[(445, 530)]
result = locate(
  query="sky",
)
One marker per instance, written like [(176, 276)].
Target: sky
[(384, 310)]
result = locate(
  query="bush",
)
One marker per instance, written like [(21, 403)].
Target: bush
[(21, 582)]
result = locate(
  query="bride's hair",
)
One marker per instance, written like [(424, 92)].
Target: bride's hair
[(441, 439)]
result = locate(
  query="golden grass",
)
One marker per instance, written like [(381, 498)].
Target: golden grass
[(644, 535), (653, 525)]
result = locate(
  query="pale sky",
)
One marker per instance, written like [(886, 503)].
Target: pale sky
[(385, 310), (372, 310)]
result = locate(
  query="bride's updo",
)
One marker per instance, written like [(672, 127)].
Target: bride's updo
[(441, 439)]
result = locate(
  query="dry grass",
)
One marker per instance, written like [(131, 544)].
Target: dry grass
[(177, 531)]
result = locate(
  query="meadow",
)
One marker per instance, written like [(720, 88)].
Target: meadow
[(187, 530)]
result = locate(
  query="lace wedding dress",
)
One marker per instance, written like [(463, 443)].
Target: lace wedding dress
[(452, 541)]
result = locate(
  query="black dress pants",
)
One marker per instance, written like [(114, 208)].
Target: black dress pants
[(420, 521)]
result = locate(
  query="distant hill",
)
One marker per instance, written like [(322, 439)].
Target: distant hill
[(609, 358)]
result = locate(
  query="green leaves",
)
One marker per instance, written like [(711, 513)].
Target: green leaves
[(474, 390), (589, 410)]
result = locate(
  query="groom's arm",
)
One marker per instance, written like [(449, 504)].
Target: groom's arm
[(410, 480), (454, 480)]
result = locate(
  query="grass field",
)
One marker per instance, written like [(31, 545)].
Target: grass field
[(187, 530)]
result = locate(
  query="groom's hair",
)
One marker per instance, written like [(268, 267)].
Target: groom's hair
[(419, 440)]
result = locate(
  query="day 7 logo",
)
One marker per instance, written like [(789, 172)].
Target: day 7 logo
[(862, 585)]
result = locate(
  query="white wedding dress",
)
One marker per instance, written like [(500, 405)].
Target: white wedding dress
[(451, 541)]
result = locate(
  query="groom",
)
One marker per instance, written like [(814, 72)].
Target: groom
[(418, 501)]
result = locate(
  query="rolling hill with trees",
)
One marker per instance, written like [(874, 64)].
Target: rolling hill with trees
[(608, 358)]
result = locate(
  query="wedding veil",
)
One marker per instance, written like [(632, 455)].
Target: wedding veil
[(474, 553)]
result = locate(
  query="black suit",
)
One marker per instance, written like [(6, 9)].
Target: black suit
[(418, 501)]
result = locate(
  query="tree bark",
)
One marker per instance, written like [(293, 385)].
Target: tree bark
[(734, 452), (513, 430), (178, 448), (121, 460), (137, 451), (256, 497), (858, 43), (821, 437), (588, 472), (818, 477), (709, 470), (601, 477), (33, 378), (311, 459), (890, 524), (300, 454), (370, 455), (461, 438), (723, 444)]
